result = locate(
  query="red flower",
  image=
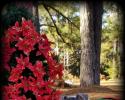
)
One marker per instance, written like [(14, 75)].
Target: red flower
[(27, 25), (56, 71), (23, 62), (25, 83), (46, 97), (26, 38), (33, 37), (15, 74), (25, 45), (39, 97), (44, 45), (37, 70), (12, 91), (20, 97), (13, 33)]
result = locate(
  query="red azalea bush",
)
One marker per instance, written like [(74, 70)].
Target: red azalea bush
[(27, 57)]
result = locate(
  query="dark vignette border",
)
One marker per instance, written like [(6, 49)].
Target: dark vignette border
[(120, 3)]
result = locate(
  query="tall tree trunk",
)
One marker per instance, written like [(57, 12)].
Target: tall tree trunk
[(121, 51), (122, 64), (32, 7), (36, 15), (90, 31)]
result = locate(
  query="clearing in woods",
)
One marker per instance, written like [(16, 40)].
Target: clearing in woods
[(110, 88)]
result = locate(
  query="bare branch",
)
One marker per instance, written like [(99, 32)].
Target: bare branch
[(47, 25), (54, 23), (63, 15)]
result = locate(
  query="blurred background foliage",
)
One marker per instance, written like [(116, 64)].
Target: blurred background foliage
[(68, 52), (110, 40), (110, 47)]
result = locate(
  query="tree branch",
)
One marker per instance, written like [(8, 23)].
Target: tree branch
[(46, 25), (63, 15), (54, 23)]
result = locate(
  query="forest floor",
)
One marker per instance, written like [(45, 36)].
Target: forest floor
[(110, 88)]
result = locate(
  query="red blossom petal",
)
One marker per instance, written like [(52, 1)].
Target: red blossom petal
[(26, 38)]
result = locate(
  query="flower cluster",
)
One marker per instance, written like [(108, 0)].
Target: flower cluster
[(27, 57)]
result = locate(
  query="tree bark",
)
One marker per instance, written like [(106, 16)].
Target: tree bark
[(32, 7), (36, 15), (90, 31)]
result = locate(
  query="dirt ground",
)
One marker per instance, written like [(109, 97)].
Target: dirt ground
[(110, 88)]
